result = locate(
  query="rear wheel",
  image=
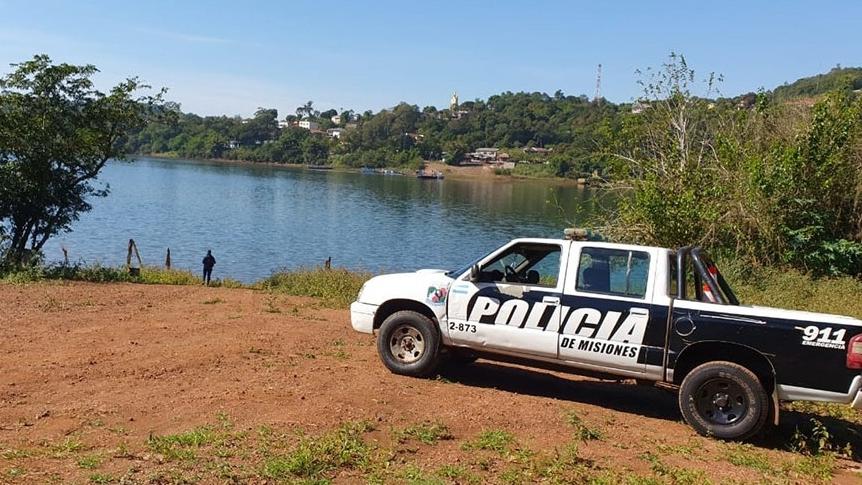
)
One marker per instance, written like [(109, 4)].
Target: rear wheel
[(724, 400), (409, 344)]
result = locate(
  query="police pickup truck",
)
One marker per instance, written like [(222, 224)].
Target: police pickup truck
[(618, 311)]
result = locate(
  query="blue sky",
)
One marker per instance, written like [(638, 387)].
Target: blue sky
[(222, 57)]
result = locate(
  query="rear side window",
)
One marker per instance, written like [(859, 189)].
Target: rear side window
[(613, 272)]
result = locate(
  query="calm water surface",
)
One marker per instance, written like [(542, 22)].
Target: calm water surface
[(258, 219)]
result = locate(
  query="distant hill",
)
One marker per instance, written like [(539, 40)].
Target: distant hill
[(807, 87)]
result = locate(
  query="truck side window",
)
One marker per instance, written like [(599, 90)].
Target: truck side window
[(528, 264), (613, 272)]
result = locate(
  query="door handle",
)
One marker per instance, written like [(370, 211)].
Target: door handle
[(639, 311), (553, 300)]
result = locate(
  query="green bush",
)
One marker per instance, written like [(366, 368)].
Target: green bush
[(109, 274), (776, 184), (336, 287), (789, 288)]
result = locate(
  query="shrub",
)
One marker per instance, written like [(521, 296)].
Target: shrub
[(336, 287), (774, 184)]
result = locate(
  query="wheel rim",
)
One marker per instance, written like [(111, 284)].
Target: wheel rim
[(407, 344), (721, 401)]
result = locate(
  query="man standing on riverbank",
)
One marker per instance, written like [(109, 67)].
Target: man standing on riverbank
[(209, 261)]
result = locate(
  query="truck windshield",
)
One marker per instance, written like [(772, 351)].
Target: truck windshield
[(459, 271)]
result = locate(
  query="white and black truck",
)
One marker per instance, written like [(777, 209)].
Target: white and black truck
[(618, 311)]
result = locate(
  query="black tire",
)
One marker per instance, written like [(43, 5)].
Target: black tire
[(724, 400), (409, 344)]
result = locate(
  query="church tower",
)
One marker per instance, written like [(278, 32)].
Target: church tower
[(453, 102)]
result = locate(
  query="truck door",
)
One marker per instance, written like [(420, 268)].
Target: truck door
[(514, 304), (606, 308)]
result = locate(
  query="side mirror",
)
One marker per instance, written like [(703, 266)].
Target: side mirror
[(474, 273)]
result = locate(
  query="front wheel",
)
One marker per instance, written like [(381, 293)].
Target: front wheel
[(724, 400), (409, 344)]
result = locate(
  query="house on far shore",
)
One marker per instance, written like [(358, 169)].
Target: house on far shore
[(639, 107), (335, 132), (336, 119), (482, 156), (233, 144), (309, 125)]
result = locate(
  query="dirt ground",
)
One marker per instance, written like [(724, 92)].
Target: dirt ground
[(91, 373)]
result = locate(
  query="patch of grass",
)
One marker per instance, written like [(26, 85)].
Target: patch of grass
[(675, 475), (314, 458), (820, 467), (336, 287), (582, 431), (680, 449), (96, 273), (458, 474), (213, 301), (181, 446), (427, 433), (101, 478), (414, 475), (748, 456), (831, 410), (68, 446), (89, 462), (495, 440), (14, 454), (16, 472), (789, 288)]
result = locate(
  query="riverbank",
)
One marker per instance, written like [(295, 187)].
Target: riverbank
[(177, 384), (449, 171)]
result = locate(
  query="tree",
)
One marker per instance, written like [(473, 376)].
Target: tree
[(774, 185), (305, 110), (315, 150), (57, 132)]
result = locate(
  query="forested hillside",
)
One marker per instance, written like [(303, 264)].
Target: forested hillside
[(577, 131), (847, 78)]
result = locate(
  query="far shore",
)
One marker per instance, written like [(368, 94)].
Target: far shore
[(472, 173)]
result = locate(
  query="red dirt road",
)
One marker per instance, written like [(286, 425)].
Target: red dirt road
[(110, 364)]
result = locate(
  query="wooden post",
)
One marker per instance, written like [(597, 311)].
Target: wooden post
[(133, 247), (168, 259)]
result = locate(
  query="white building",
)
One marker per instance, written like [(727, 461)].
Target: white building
[(336, 119), (309, 125), (335, 132), (282, 124)]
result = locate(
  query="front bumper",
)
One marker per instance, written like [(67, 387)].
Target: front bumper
[(362, 317)]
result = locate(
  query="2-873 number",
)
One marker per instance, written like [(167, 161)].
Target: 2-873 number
[(462, 327)]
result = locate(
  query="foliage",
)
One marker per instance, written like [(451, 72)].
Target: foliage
[(56, 134), (427, 433), (108, 274), (402, 136), (336, 287), (771, 185), (789, 288), (315, 457), (496, 440), (836, 79)]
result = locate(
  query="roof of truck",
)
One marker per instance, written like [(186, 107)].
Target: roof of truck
[(603, 244)]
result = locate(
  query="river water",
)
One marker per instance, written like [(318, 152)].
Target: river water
[(257, 219)]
